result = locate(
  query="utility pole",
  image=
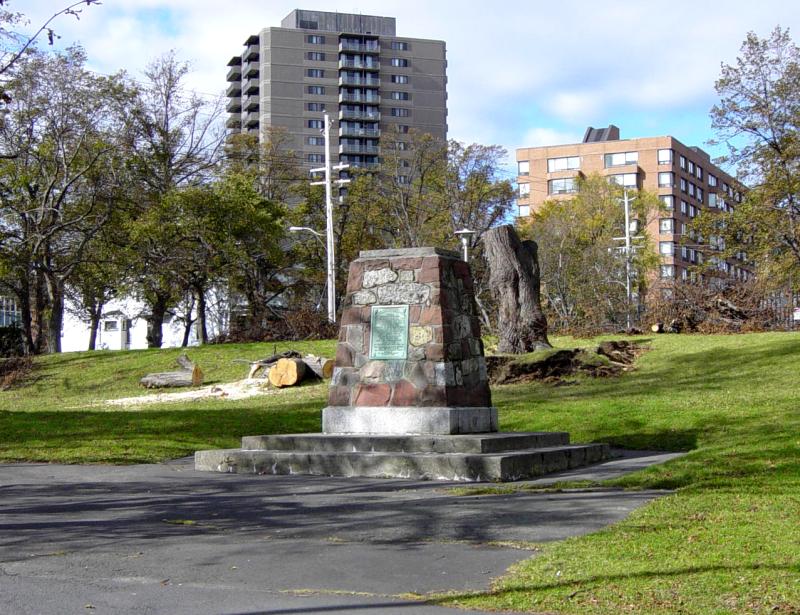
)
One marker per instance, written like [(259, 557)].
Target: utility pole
[(628, 250), (331, 264)]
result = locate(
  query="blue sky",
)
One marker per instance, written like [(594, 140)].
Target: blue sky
[(520, 73)]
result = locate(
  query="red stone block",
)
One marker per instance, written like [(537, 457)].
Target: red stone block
[(355, 278), (438, 335), (434, 352), (339, 396), (351, 316), (430, 316), (405, 394), (371, 265), (434, 395), (431, 269), (372, 395), (344, 356), (407, 263), (413, 314)]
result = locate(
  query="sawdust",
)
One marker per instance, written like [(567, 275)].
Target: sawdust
[(241, 389)]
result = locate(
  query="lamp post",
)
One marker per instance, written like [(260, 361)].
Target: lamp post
[(328, 285), (464, 235)]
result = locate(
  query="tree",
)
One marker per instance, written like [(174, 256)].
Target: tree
[(60, 186), (758, 118), (582, 270), (175, 142)]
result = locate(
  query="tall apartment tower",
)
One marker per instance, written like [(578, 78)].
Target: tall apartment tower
[(683, 177), (376, 85)]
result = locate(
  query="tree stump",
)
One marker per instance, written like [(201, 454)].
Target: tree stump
[(514, 280), (287, 372)]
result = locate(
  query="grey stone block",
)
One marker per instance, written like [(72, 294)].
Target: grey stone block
[(408, 420), (408, 253)]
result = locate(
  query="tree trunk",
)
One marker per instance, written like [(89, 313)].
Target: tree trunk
[(95, 312), (187, 325), (202, 329), (155, 320), (55, 320), (514, 280), (287, 372)]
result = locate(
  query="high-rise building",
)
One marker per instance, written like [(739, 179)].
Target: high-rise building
[(685, 179), (377, 85)]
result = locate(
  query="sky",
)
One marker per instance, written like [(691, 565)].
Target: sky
[(520, 74)]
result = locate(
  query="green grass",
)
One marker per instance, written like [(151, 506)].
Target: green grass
[(727, 541)]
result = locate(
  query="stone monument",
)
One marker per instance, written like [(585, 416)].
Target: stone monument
[(410, 393), (410, 356)]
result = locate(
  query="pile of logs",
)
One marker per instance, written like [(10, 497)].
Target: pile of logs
[(289, 368)]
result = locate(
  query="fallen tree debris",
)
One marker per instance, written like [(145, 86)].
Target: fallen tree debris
[(189, 375)]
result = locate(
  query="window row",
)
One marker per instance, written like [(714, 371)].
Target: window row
[(620, 159), (563, 164), (566, 185)]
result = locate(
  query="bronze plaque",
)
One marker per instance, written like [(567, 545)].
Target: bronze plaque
[(388, 332)]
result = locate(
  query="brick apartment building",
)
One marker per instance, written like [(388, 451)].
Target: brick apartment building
[(685, 179)]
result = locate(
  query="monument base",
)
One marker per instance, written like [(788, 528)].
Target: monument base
[(409, 420), (468, 457)]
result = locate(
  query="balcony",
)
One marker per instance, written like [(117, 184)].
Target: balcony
[(234, 105), (251, 119), (234, 89), (347, 148), (250, 70), (250, 86), (359, 97), (361, 64), (235, 73), (360, 114), (250, 103), (360, 164), (234, 121), (372, 133), (368, 46), (251, 53), (369, 80)]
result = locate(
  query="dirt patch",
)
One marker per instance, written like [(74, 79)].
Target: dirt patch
[(556, 366), (14, 371), (241, 389)]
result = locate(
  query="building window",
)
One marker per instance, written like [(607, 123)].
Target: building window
[(692, 211), (401, 146), (316, 89), (691, 168), (684, 208), (621, 159), (563, 164), (712, 199), (524, 210), (9, 312), (682, 162), (561, 186), (316, 56), (399, 78), (665, 156), (400, 96), (315, 39), (110, 325), (666, 179), (699, 195), (698, 172), (316, 106), (316, 140), (316, 157), (667, 271), (668, 201), (666, 225), (627, 180), (397, 112), (523, 167), (403, 179), (712, 180), (403, 129), (666, 248), (684, 183), (316, 124), (524, 190), (690, 186), (399, 45), (399, 62), (315, 72)]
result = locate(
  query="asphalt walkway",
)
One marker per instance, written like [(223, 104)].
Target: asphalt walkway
[(167, 539)]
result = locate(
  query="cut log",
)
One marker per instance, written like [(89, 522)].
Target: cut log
[(321, 366), (264, 364), (657, 327), (189, 376), (287, 372), (514, 280)]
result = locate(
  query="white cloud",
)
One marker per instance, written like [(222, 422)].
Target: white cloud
[(540, 136)]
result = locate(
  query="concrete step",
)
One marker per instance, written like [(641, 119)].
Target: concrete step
[(516, 465), (468, 443)]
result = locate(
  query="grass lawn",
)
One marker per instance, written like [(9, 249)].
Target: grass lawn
[(728, 540)]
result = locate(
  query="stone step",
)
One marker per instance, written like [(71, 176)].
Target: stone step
[(517, 465), (468, 443)]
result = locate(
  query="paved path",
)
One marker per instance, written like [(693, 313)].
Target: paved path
[(167, 539)]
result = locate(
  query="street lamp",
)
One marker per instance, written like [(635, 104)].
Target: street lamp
[(464, 235), (329, 284)]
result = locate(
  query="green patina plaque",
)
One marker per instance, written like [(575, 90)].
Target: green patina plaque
[(388, 332)]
